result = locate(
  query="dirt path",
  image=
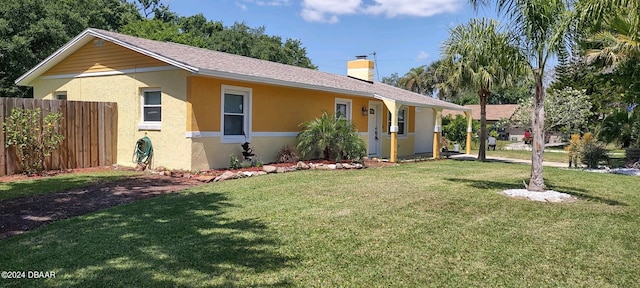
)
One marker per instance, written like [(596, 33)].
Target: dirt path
[(23, 214)]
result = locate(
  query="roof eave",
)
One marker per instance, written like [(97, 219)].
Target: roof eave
[(416, 104)]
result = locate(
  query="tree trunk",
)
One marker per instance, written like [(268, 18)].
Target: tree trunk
[(536, 183), (482, 154)]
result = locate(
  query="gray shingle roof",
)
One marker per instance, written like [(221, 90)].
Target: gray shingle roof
[(225, 65)]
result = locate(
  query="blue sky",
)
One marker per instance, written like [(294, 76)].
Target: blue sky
[(403, 33)]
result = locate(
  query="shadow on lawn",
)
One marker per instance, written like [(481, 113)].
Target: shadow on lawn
[(498, 186), (176, 240)]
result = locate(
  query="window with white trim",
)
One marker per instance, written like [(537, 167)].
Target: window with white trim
[(402, 122), (343, 108), (60, 95), (151, 109), (236, 114)]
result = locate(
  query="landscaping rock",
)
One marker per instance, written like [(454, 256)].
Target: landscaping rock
[(358, 166), (339, 166), (246, 173), (281, 169), (321, 167), (260, 173), (227, 175), (302, 166), (347, 166), (160, 168), (206, 179), (269, 168), (332, 166)]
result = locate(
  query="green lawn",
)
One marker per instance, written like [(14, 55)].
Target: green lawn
[(437, 223), (553, 155), (25, 188)]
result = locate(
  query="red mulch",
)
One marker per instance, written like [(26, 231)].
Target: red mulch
[(22, 214)]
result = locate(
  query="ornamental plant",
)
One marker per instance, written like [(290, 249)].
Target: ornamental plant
[(331, 138), (33, 136)]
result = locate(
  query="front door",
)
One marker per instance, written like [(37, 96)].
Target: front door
[(375, 129)]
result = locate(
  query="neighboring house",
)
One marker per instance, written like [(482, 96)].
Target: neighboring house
[(495, 112), (197, 106)]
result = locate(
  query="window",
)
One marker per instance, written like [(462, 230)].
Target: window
[(343, 108), (60, 95), (151, 109), (402, 122), (236, 125)]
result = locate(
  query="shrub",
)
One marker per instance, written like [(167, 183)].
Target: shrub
[(234, 162), (33, 138), (592, 151), (587, 150), (287, 155), (331, 138), (455, 129)]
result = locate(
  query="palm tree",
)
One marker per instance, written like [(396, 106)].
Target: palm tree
[(479, 57), (543, 27), (414, 80)]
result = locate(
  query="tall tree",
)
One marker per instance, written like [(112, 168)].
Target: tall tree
[(414, 80), (30, 30), (543, 27), (480, 57)]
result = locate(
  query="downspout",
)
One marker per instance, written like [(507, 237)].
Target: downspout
[(469, 131), (437, 132)]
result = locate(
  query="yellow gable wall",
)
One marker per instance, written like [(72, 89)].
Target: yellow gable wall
[(108, 57), (171, 147), (275, 108)]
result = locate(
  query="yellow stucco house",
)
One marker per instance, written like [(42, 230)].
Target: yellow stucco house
[(198, 105)]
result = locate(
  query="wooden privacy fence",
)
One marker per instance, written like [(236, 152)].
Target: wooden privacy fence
[(89, 129)]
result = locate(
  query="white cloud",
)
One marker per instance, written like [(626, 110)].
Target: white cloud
[(242, 6), (418, 8), (422, 55), (329, 10), (265, 3)]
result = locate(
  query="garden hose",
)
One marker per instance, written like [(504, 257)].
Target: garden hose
[(143, 151)]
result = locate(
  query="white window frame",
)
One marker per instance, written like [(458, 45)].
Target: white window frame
[(405, 132), (149, 125), (347, 102), (247, 109), (57, 94)]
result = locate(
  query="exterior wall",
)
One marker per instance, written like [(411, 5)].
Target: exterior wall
[(406, 143), (277, 113), (108, 57), (171, 148)]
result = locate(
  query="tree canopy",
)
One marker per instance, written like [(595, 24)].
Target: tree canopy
[(31, 30)]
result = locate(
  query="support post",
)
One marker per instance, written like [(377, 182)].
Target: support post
[(469, 131), (437, 132), (393, 109)]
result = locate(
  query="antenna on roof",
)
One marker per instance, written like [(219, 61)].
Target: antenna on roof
[(375, 60)]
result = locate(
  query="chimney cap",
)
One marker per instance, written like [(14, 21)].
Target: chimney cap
[(361, 57)]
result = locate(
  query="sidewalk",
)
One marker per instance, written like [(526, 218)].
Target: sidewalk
[(470, 157)]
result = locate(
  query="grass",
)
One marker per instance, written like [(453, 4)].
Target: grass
[(552, 155), (436, 224), (26, 188)]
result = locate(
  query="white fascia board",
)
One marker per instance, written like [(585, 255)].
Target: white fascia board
[(263, 80)]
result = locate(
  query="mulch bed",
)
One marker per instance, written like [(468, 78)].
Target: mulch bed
[(22, 214)]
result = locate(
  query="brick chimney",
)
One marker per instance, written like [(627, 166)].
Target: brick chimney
[(361, 68)]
